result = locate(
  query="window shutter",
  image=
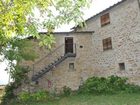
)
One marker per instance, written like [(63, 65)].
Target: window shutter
[(105, 19)]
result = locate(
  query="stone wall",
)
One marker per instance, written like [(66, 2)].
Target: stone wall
[(124, 30), (62, 75)]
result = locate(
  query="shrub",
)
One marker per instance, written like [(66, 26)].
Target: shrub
[(37, 96), (18, 75), (67, 91), (9, 94), (24, 96), (40, 96), (95, 85), (109, 85), (130, 88), (117, 83)]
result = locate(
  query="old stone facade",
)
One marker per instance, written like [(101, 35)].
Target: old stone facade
[(124, 31), (108, 45)]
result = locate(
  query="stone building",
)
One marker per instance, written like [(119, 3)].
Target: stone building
[(109, 44)]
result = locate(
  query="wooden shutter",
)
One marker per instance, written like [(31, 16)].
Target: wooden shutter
[(105, 19)]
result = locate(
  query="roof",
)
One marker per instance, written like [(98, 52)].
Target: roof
[(71, 32), (103, 11)]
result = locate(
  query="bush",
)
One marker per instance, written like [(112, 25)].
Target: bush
[(67, 91), (24, 96), (37, 96), (9, 94), (95, 85), (40, 96), (18, 75), (109, 85), (130, 88)]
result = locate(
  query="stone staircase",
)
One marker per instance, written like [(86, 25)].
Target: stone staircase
[(50, 61)]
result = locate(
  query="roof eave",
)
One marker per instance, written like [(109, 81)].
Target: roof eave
[(100, 13)]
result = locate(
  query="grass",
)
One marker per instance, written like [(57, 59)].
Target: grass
[(119, 99)]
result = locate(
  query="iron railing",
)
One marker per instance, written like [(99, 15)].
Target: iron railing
[(51, 57)]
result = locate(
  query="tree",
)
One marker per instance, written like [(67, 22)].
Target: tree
[(18, 18)]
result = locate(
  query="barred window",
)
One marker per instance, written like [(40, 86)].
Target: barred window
[(105, 19), (107, 44), (122, 66), (36, 82)]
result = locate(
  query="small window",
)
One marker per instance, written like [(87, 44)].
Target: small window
[(71, 66), (122, 66), (36, 82), (105, 19), (81, 46), (107, 44)]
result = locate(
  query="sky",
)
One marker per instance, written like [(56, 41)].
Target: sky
[(96, 7)]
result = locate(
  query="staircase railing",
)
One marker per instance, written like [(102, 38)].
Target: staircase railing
[(51, 57)]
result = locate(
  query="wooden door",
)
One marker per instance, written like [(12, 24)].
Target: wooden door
[(68, 45)]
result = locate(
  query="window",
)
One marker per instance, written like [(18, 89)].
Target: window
[(81, 46), (36, 82), (107, 44), (71, 66), (122, 66), (105, 19)]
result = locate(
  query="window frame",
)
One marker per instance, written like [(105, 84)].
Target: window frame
[(70, 66), (107, 43), (122, 66), (105, 19)]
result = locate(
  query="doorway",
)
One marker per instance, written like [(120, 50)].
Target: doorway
[(68, 45)]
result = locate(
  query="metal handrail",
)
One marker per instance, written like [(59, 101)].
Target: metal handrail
[(50, 53), (47, 55)]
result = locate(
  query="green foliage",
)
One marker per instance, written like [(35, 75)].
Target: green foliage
[(9, 94), (18, 75), (25, 96), (40, 96), (18, 17), (37, 96), (46, 40), (16, 52), (130, 88), (66, 91), (19, 49), (109, 85), (18, 20), (90, 99)]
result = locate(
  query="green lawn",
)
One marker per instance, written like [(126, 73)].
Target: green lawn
[(120, 99)]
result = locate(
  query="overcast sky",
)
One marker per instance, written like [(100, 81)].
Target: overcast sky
[(96, 7)]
